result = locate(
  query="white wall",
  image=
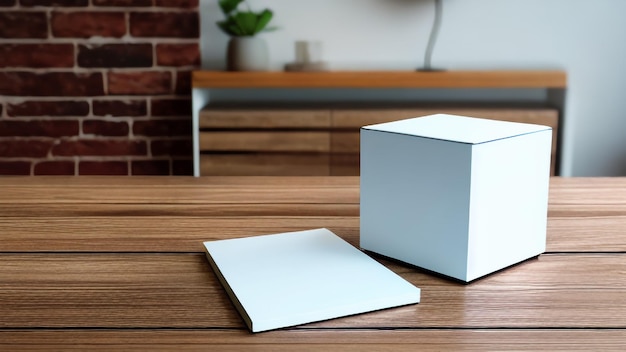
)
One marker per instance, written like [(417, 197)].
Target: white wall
[(586, 38)]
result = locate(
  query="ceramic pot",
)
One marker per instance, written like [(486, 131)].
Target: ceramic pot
[(247, 54)]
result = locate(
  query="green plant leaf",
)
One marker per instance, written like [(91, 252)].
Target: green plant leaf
[(243, 23), (263, 19), (246, 21), (229, 27), (229, 6)]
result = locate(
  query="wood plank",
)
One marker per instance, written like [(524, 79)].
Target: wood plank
[(567, 195), (584, 215), (344, 142), (553, 291), (585, 197), (238, 118), (355, 118), (345, 148), (286, 209), (191, 196), (351, 120), (112, 290), (152, 234), (179, 290), (587, 234), (260, 164), (168, 182), (588, 191), (381, 79), (341, 340), (255, 141), (563, 190), (125, 231), (178, 190), (345, 164)]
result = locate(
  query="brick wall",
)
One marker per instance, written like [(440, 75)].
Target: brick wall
[(97, 87)]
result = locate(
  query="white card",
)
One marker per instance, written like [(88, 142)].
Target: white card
[(294, 278)]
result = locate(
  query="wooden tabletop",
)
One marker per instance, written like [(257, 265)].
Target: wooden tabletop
[(108, 263), (382, 79)]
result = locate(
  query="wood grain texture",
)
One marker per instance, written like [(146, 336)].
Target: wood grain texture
[(317, 340), (179, 290), (121, 213), (355, 118), (350, 118), (216, 118), (129, 231), (123, 233), (255, 141), (380, 79), (345, 164), (346, 137), (265, 164), (244, 134), (116, 263), (178, 190)]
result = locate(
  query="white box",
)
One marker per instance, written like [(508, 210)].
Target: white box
[(455, 195)]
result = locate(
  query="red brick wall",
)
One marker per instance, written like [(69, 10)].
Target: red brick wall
[(93, 87)]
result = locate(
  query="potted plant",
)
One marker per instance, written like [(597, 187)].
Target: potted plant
[(246, 52)]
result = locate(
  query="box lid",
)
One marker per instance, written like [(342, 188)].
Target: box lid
[(460, 129)]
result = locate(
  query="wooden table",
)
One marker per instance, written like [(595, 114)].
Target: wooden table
[(117, 263), (383, 98)]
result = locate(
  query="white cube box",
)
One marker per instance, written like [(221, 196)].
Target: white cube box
[(459, 196)]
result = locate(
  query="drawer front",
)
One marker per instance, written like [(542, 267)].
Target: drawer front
[(351, 120), (255, 141), (345, 142), (345, 164), (273, 141), (264, 165), (263, 119)]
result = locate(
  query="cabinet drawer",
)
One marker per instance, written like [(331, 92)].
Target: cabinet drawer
[(353, 119), (345, 141), (265, 141), (283, 141), (345, 164), (361, 117), (264, 165), (356, 118), (263, 119)]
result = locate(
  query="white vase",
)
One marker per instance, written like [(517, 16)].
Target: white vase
[(247, 54)]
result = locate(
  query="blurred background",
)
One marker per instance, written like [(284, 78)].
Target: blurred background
[(103, 87), (583, 38)]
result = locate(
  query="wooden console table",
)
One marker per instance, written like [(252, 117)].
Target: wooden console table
[(117, 263), (381, 79), (288, 140)]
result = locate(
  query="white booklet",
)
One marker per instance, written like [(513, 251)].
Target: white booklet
[(294, 278)]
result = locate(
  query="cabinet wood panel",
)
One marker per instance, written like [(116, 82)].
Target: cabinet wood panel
[(252, 136), (225, 118), (265, 164), (299, 141), (347, 118), (345, 164), (382, 79), (345, 141), (354, 118)]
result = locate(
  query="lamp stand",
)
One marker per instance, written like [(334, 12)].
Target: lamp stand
[(433, 38)]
